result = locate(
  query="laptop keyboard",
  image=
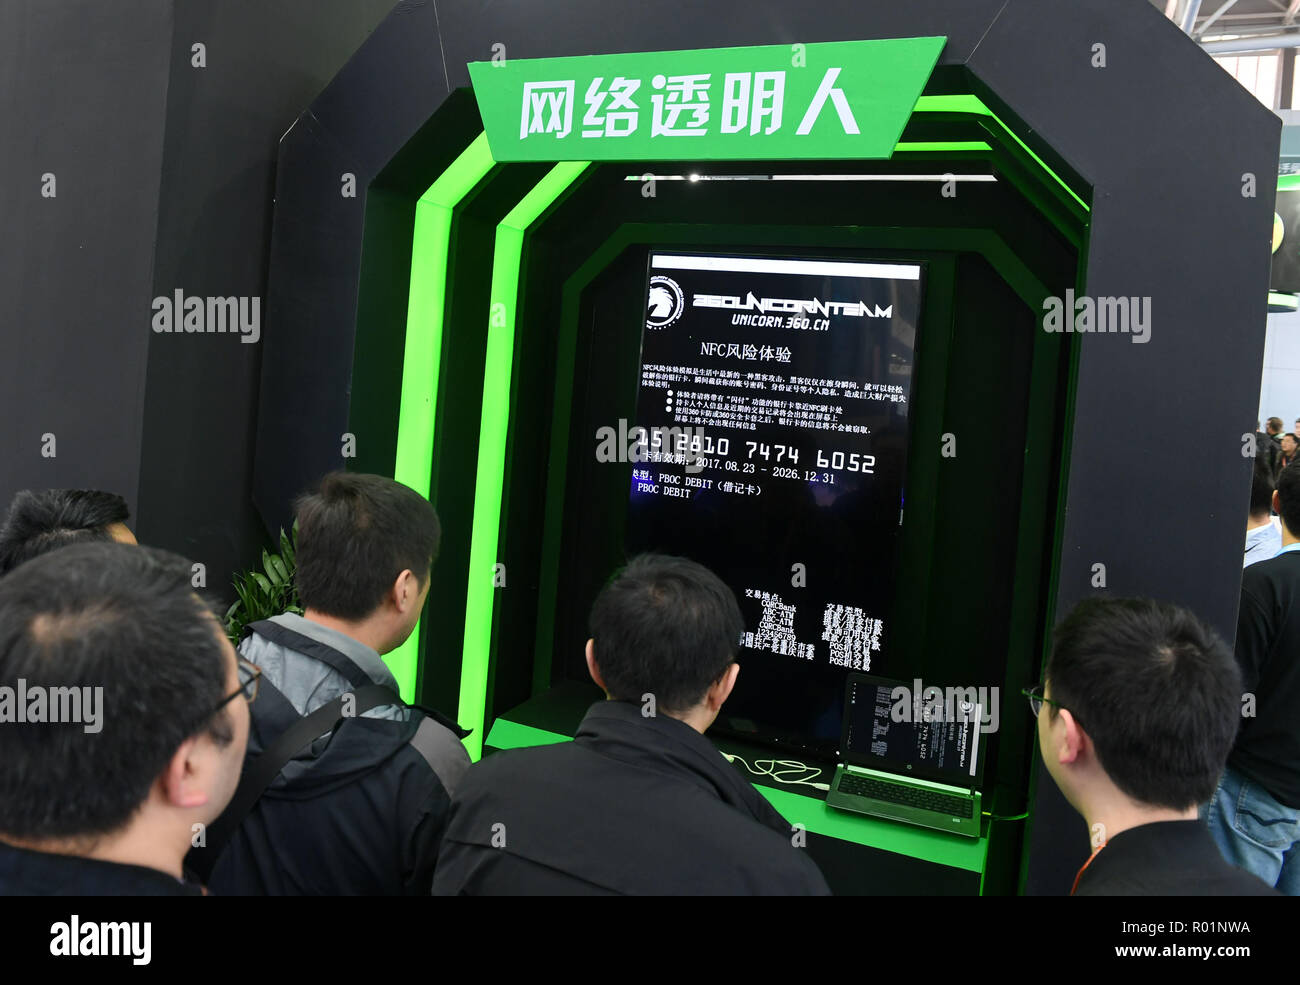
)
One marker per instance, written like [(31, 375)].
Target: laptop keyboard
[(893, 793)]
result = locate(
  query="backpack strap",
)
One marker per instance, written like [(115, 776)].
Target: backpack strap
[(260, 772)]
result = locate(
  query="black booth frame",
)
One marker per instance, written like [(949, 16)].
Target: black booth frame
[(1169, 221)]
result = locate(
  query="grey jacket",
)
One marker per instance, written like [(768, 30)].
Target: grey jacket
[(362, 810)]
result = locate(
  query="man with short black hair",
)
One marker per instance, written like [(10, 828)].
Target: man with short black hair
[(1266, 447), (1290, 443), (123, 720), (358, 807), (1255, 813), (1263, 535), (38, 522), (1135, 719), (640, 802)]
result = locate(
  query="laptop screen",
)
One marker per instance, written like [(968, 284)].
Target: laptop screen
[(933, 735)]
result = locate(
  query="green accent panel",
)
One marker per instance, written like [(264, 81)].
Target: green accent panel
[(430, 245), (1287, 182), (889, 836), (511, 735), (812, 813), (952, 104), (429, 252), (973, 105), (850, 99), (493, 434)]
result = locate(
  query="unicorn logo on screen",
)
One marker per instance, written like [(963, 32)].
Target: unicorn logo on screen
[(661, 302), (665, 303)]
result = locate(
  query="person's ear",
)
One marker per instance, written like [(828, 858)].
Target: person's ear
[(1277, 503), (720, 689), (1070, 739), (183, 781), (593, 668), (121, 533), (406, 591)]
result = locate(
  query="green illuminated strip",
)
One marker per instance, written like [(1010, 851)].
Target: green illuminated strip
[(493, 432), (952, 104), (1287, 182), (942, 146), (1283, 300), (811, 811), (973, 104), (430, 246)]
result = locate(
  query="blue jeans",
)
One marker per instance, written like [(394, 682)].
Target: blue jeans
[(1254, 832)]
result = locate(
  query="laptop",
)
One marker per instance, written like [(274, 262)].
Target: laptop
[(915, 771)]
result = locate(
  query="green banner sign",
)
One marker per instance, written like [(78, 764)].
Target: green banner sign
[(837, 99)]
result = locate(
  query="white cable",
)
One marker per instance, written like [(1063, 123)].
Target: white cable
[(787, 766)]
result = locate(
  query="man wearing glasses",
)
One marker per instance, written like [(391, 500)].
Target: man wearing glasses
[(1135, 720), (111, 808)]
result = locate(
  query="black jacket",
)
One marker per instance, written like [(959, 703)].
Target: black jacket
[(632, 806), (1269, 448), (1166, 858), (1267, 749), (28, 873), (361, 811)]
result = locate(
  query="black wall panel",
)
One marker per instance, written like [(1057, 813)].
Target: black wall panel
[(1164, 526), (82, 90), (529, 29), (379, 100), (164, 180), (264, 63)]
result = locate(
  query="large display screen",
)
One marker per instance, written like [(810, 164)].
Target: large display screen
[(773, 404)]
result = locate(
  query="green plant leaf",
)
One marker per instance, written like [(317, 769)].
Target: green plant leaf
[(282, 576), (266, 593), (241, 589), (234, 626), (269, 568)]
